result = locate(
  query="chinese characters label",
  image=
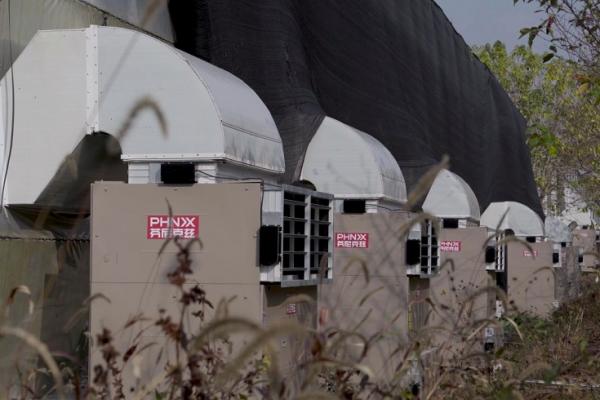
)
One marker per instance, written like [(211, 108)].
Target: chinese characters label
[(450, 246), (527, 253), (352, 240), (164, 227)]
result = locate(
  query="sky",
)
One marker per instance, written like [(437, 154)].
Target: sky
[(485, 21)]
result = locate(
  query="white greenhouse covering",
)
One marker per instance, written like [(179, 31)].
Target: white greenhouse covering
[(118, 81), (557, 231), (522, 220), (581, 218), (29, 16), (150, 15), (352, 164), (451, 197)]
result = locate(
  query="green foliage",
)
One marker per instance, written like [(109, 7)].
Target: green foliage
[(572, 28), (563, 120), (532, 328)]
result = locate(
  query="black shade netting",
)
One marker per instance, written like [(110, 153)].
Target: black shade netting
[(395, 69)]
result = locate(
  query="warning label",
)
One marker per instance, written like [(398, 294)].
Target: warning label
[(527, 253), (291, 309), (450, 246), (352, 240), (164, 227)]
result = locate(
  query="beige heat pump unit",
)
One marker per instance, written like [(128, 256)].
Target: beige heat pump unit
[(238, 259), (586, 239), (382, 264), (521, 257), (565, 260), (218, 167), (463, 291)]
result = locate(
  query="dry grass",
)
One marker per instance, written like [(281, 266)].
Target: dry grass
[(557, 358), (569, 342), (564, 350)]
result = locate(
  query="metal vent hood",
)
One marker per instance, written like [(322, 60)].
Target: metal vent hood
[(69, 83), (515, 216), (352, 164), (451, 197)]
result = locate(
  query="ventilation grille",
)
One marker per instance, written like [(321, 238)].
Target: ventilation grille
[(295, 234), (320, 235), (501, 253), (430, 253), (306, 218)]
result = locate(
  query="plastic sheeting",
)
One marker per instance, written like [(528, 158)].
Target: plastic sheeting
[(153, 14), (34, 223), (395, 69), (29, 16), (582, 218), (558, 231), (24, 262), (54, 266)]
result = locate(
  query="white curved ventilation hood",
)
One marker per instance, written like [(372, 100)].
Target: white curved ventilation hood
[(451, 197), (69, 83), (351, 164), (522, 220)]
